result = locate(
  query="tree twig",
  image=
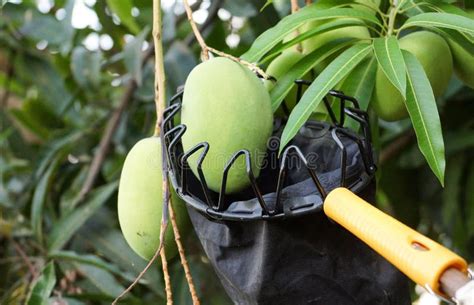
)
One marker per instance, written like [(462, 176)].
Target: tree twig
[(294, 6), (250, 65), (109, 131), (182, 255), (160, 103), (184, 16), (197, 34), (142, 273), (205, 48), (166, 274), (308, 2), (25, 258), (212, 13)]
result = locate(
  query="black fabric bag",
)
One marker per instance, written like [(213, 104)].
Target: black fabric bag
[(300, 260)]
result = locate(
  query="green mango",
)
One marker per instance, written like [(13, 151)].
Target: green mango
[(277, 68), (140, 201), (226, 105), (434, 55), (311, 44)]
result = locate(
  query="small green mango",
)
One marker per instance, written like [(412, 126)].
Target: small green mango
[(434, 55), (227, 106), (277, 68), (140, 201), (463, 61)]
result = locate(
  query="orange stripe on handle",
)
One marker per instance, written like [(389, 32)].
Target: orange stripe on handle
[(420, 258)]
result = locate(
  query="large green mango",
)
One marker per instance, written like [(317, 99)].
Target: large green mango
[(140, 201), (434, 55), (463, 61), (226, 105)]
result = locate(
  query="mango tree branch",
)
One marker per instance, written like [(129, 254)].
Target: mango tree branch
[(294, 6), (182, 255), (160, 104)]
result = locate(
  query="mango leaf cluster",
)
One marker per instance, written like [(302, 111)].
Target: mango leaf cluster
[(403, 70)]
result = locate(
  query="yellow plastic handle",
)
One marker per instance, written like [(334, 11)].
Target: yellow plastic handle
[(420, 258)]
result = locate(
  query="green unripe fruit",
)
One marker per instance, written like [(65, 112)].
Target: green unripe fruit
[(434, 55), (463, 62), (140, 201), (277, 68), (317, 41), (226, 105)]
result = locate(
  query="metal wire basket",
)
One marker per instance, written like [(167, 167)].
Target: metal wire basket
[(283, 189)]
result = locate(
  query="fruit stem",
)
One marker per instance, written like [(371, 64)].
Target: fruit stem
[(249, 65)]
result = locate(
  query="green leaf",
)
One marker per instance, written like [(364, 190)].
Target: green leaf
[(325, 27), (101, 279), (302, 67), (93, 260), (332, 75), (85, 67), (39, 198), (123, 9), (43, 286), (50, 83), (267, 40), (360, 84), (441, 20), (390, 59), (132, 56), (69, 224), (57, 146), (45, 27), (24, 118), (269, 2), (421, 105), (113, 246)]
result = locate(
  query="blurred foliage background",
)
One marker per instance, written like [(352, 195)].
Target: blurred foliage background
[(76, 92)]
